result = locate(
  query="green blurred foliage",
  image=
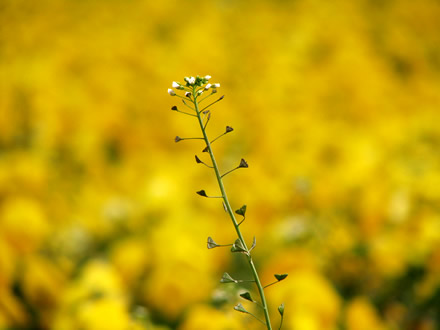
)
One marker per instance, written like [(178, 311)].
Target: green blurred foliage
[(334, 104)]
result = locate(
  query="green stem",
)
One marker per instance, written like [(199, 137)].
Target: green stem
[(232, 216), (281, 323)]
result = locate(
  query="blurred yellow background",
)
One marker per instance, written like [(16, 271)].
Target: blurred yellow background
[(334, 104)]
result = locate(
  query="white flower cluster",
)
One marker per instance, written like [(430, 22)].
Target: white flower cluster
[(192, 83)]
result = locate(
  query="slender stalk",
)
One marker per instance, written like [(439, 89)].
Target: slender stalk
[(231, 213)]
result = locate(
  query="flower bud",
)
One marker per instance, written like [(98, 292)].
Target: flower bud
[(208, 86), (171, 92), (207, 77), (281, 309), (175, 85), (188, 94)]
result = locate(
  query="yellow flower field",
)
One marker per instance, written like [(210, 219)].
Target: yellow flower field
[(335, 105)]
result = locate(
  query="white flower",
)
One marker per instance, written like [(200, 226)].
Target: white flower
[(200, 92), (190, 80), (171, 92), (215, 85), (207, 77), (208, 86), (176, 85)]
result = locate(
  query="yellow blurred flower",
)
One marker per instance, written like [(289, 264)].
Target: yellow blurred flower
[(97, 278), (361, 315), (25, 172), (95, 301), (11, 310), (132, 258), (7, 264), (23, 223), (106, 313), (170, 290), (389, 254), (42, 281)]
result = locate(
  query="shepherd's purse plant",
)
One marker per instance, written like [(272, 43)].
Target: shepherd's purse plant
[(197, 94)]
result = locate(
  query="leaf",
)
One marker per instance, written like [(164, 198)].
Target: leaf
[(238, 246), (211, 243), (226, 278), (240, 308), (241, 211), (281, 309), (246, 295), (280, 277)]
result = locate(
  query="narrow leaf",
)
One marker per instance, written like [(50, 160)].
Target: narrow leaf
[(254, 243), (280, 277), (207, 120), (224, 206)]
